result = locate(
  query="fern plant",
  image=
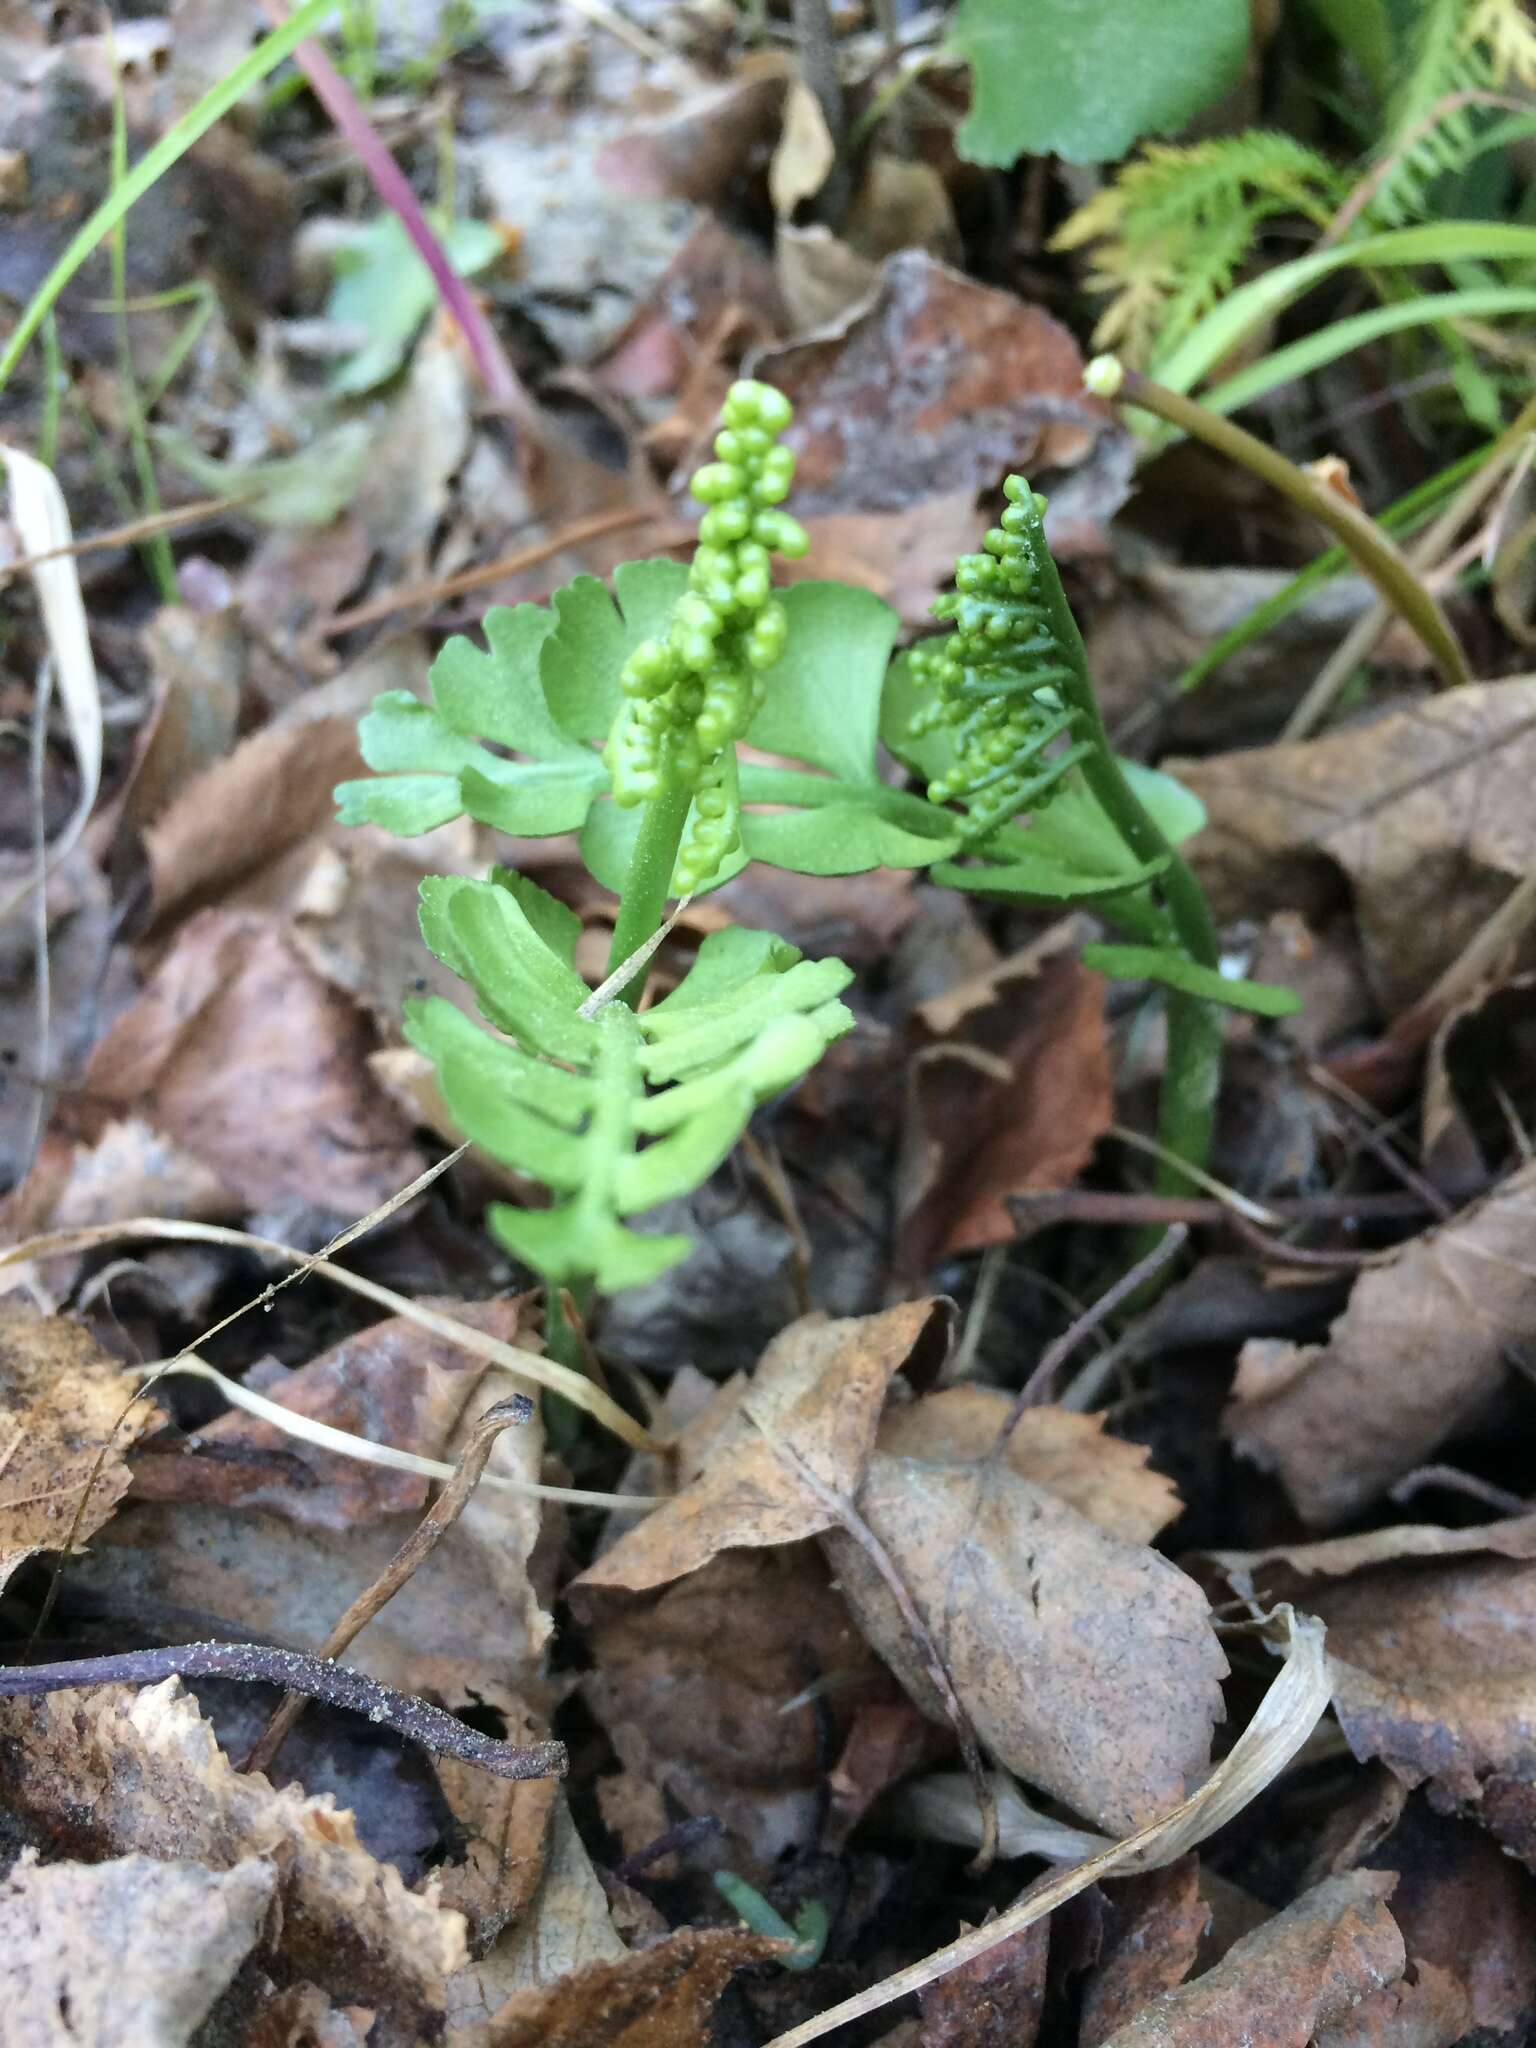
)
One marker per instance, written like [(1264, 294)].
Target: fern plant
[(619, 717), (1173, 228)]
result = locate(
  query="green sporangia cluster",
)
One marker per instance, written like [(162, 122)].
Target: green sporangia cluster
[(690, 696), (996, 678)]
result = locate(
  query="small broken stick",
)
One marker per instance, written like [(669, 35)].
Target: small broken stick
[(316, 1678)]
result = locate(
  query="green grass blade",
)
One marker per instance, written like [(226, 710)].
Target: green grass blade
[(1439, 242), (171, 147), (1313, 351)]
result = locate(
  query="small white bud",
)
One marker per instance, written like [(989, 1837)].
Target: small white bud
[(1104, 376)]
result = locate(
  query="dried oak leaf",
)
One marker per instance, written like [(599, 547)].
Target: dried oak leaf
[(123, 1953), (1288, 1981), (1009, 1090), (241, 1054), (1423, 818), (109, 1773), (1154, 1928), (1418, 1354), (1089, 1665), (993, 2001), (1103, 1477), (820, 1387), (659, 1997), (68, 1413)]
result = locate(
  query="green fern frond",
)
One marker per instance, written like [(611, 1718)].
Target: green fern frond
[(615, 1112), (1457, 47), (1171, 230)]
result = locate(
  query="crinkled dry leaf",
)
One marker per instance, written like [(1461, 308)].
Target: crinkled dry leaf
[(993, 2002), (238, 1052), (660, 1997), (68, 1412), (1282, 1985), (1434, 1671), (1423, 816), (283, 1559), (112, 1773), (1088, 1665), (124, 1953), (1418, 1354), (1151, 1939), (1011, 1091), (820, 1387), (693, 1681), (1103, 1477), (1339, 1556)]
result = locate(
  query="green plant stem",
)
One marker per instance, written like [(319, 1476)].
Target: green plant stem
[(643, 899), (1372, 551), (1192, 1069)]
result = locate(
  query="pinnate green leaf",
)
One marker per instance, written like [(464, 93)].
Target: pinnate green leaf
[(1084, 79), (613, 1112)]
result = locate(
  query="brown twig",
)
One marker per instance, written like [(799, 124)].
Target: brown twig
[(440, 588), (407, 1560), (849, 1518), (1036, 1390), (1039, 1208), (260, 1664), (764, 1160), (135, 530)]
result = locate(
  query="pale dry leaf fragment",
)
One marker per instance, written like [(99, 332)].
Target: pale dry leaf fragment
[(1421, 820), (820, 1387), (241, 1054), (1417, 1355), (660, 1997), (112, 1773), (805, 152), (68, 1413), (1337, 1557), (42, 524), (1103, 1477), (123, 1953), (1282, 1985), (1088, 1665)]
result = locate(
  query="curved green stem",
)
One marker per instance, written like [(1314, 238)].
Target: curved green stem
[(647, 886), (1192, 1070)]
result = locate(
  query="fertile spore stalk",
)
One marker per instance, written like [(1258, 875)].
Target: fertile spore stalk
[(1011, 682), (691, 696)]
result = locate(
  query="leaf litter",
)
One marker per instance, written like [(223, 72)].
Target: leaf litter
[(829, 1574)]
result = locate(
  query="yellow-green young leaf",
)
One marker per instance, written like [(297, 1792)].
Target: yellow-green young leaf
[(612, 1113), (1084, 79)]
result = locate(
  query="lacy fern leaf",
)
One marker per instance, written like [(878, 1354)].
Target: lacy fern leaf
[(614, 1113), (1458, 49), (1170, 231)]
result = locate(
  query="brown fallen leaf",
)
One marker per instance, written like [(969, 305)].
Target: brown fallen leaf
[(1286, 1983), (1420, 818), (110, 1773), (1418, 1354), (1155, 1924), (994, 2001), (1009, 1090), (68, 1413), (1088, 1665), (1434, 1671), (724, 1688), (1103, 1477), (123, 1953), (240, 1054), (659, 1997), (889, 1739), (938, 384), (820, 1386)]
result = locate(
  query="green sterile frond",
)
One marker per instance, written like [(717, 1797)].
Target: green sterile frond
[(615, 1112), (1454, 51), (429, 759), (1170, 230)]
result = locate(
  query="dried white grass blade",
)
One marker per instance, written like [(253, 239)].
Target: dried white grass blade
[(42, 521), (326, 1436), (527, 1365), (607, 991), (1288, 1713)]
